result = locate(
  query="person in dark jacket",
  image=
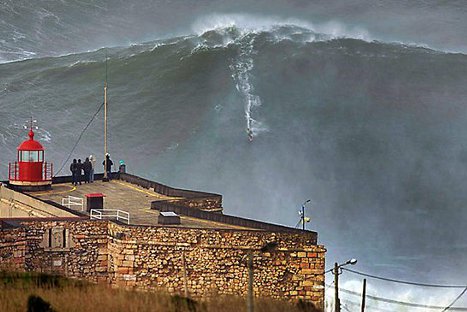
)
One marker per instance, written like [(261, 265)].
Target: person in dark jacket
[(80, 171), (74, 172), (87, 167), (109, 165)]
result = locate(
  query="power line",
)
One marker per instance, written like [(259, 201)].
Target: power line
[(79, 138), (404, 282), (370, 307), (345, 308), (408, 304), (455, 300)]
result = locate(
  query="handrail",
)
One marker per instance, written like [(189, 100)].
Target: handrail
[(13, 171), (99, 214), (73, 201), (47, 171)]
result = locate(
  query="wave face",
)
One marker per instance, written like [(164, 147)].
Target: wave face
[(374, 133)]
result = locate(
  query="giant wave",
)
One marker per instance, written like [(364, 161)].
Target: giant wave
[(373, 132)]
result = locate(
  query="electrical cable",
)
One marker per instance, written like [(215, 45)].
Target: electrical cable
[(404, 303), (455, 300), (367, 306), (403, 282), (296, 225), (330, 270), (79, 138)]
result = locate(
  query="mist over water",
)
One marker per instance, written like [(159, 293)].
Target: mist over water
[(347, 105)]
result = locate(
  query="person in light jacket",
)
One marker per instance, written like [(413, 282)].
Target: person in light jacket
[(92, 160)]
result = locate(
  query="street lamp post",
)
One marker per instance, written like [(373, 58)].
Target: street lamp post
[(336, 272), (303, 213), (337, 304)]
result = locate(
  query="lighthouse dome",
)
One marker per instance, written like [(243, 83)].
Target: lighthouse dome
[(31, 144)]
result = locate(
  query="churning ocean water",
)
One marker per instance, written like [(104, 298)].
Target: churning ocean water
[(360, 107)]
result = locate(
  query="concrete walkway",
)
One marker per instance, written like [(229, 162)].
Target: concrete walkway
[(127, 197)]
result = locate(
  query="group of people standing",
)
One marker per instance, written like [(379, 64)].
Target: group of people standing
[(87, 167), (84, 171)]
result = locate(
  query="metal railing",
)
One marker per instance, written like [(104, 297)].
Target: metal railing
[(48, 171), (13, 171), (73, 201), (100, 214)]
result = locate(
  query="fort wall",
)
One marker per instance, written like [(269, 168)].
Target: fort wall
[(21, 204), (12, 247), (148, 257), (191, 199)]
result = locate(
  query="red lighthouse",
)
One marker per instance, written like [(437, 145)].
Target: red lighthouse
[(30, 172)]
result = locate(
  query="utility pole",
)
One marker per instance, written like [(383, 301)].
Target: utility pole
[(337, 304), (250, 304), (363, 295), (335, 271)]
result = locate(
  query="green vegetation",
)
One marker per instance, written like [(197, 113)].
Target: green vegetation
[(69, 295)]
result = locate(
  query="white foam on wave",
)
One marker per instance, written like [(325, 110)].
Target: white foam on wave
[(44, 135), (15, 55), (248, 23), (241, 73), (329, 30)]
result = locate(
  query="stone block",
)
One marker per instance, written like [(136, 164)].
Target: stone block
[(306, 271), (129, 277), (122, 270), (304, 265)]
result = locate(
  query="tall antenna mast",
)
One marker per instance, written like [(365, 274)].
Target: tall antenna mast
[(105, 178)]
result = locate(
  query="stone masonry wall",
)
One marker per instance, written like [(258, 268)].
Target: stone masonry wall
[(215, 262), (152, 257), (12, 248), (71, 248)]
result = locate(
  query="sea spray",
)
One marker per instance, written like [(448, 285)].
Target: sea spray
[(241, 68)]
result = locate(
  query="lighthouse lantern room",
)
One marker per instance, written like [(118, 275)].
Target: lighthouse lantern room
[(30, 172)]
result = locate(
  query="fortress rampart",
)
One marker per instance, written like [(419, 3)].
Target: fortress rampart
[(204, 258)]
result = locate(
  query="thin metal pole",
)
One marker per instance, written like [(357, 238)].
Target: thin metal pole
[(337, 304), (185, 279), (363, 295), (106, 178), (250, 304), (303, 217)]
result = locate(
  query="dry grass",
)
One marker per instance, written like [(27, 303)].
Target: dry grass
[(66, 295)]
